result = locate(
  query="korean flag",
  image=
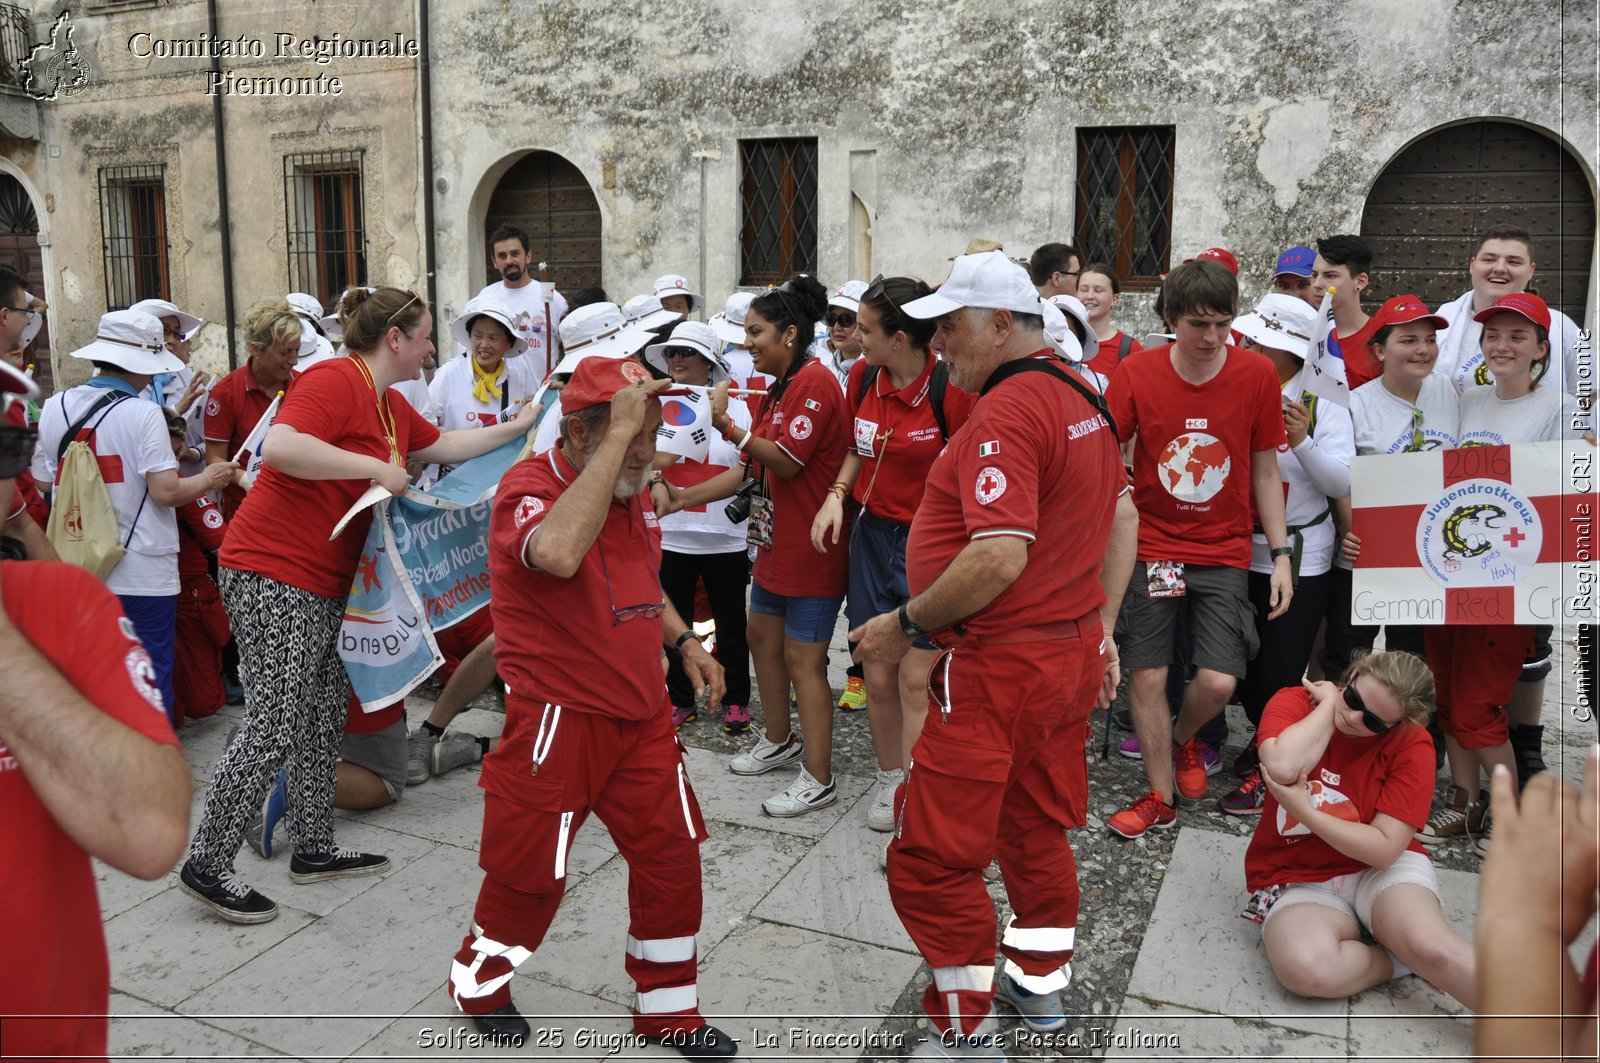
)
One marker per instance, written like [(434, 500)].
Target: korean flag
[(686, 425)]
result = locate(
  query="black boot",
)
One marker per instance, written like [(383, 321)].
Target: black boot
[(701, 1045), (504, 1025), (1527, 745)]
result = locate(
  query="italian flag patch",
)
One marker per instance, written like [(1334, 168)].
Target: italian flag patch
[(989, 449), (813, 404)]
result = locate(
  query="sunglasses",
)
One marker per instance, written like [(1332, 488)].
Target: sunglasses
[(837, 318), (683, 352), (1369, 719), (879, 289), (16, 450), (622, 614)]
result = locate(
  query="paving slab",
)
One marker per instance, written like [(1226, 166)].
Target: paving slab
[(333, 989), (1146, 1031), (568, 1026), (729, 798), (139, 1028)]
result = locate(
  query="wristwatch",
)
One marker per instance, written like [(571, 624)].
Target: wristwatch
[(1282, 551), (908, 625)]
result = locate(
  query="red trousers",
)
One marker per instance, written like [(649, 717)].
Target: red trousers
[(202, 631), (1475, 669), (998, 772), (630, 774)]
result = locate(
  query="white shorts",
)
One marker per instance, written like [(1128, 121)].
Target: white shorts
[(1355, 893)]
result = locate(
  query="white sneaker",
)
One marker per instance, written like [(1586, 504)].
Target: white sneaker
[(880, 817), (765, 755), (803, 795)]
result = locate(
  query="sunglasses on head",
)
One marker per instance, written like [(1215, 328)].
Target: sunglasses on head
[(840, 318), (1369, 719), (16, 450)]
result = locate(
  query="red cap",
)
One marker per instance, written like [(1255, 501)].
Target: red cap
[(597, 379), (1403, 310), (1527, 304), (1221, 255)]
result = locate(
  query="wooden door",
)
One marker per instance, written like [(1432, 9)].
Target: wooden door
[(549, 198)]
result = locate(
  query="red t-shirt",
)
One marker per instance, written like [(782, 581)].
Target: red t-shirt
[(201, 528), (1034, 457), (233, 407), (1356, 779), (1191, 464), (281, 531), (898, 437), (27, 494), (558, 640), (1109, 355), (812, 424), (1359, 364), (54, 945)]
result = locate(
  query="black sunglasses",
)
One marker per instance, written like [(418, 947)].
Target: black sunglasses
[(840, 317), (16, 449), (1369, 719)]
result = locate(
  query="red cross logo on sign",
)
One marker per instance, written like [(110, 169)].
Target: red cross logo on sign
[(991, 485), (1514, 537)]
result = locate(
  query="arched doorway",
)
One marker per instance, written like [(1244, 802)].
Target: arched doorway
[(1430, 202), (549, 197), (19, 249)]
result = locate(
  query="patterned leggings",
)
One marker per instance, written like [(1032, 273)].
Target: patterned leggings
[(296, 691)]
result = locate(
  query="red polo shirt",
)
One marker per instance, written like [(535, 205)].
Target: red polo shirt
[(559, 640), (282, 529), (1108, 354), (1360, 365), (897, 438), (1034, 460), (234, 405), (812, 424), (1191, 465)]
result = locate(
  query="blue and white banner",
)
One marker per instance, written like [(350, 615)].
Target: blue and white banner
[(425, 566)]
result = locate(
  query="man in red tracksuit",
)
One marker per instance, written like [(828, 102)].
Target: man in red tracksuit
[(580, 623), (1004, 563)]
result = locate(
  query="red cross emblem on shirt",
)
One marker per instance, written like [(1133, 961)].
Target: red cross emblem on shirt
[(988, 485)]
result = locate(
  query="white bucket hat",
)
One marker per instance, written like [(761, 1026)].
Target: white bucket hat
[(1280, 321), (989, 281), (598, 330), (698, 338), (1073, 308), (485, 306), (187, 323), (647, 311), (848, 297), (314, 347), (307, 306), (1058, 334), (330, 322), (132, 341), (672, 284), (729, 325)]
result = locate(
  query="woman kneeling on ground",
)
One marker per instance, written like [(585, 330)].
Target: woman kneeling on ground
[(1349, 774)]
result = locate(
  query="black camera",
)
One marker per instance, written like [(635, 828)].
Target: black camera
[(738, 508)]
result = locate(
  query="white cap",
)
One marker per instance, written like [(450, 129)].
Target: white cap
[(486, 306), (307, 306), (34, 326), (598, 330), (132, 341), (14, 381), (729, 325), (188, 324), (672, 284), (1058, 334), (646, 310), (1280, 321), (331, 326), (698, 338), (988, 281), (848, 297)]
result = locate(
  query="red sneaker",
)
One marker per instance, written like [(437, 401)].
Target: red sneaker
[(1148, 812), (1189, 767)]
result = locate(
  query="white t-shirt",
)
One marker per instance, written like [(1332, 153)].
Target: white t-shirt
[(1461, 350), (1315, 471), (454, 405), (706, 531), (742, 368), (527, 314), (132, 436), (1543, 414), (1386, 423)]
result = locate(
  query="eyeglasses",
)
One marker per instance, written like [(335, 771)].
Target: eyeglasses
[(836, 318), (622, 615), (20, 310), (1369, 719), (16, 449), (414, 298)]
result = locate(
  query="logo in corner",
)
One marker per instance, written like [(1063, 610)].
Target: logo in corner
[(1479, 533), (55, 68)]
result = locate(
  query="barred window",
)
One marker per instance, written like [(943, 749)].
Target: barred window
[(778, 181), (1125, 201), (133, 234), (326, 224)]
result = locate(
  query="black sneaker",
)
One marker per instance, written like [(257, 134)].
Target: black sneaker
[(226, 895), (1122, 718), (503, 1026), (341, 863)]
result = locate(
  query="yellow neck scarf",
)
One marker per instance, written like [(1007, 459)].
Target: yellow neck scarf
[(483, 383)]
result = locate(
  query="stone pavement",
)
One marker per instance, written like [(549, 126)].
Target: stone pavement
[(800, 951)]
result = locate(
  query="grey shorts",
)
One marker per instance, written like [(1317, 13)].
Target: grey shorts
[(1222, 622), (381, 752)]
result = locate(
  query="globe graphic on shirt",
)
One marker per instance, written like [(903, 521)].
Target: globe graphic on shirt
[(1194, 467)]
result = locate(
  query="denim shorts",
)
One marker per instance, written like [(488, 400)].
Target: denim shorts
[(878, 571), (804, 619)]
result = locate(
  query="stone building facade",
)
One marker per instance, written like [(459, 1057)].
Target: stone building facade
[(631, 140)]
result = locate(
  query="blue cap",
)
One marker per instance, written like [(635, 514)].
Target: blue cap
[(1296, 260)]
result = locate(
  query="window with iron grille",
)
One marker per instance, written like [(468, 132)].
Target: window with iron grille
[(1125, 201), (133, 234), (326, 222), (778, 180)]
